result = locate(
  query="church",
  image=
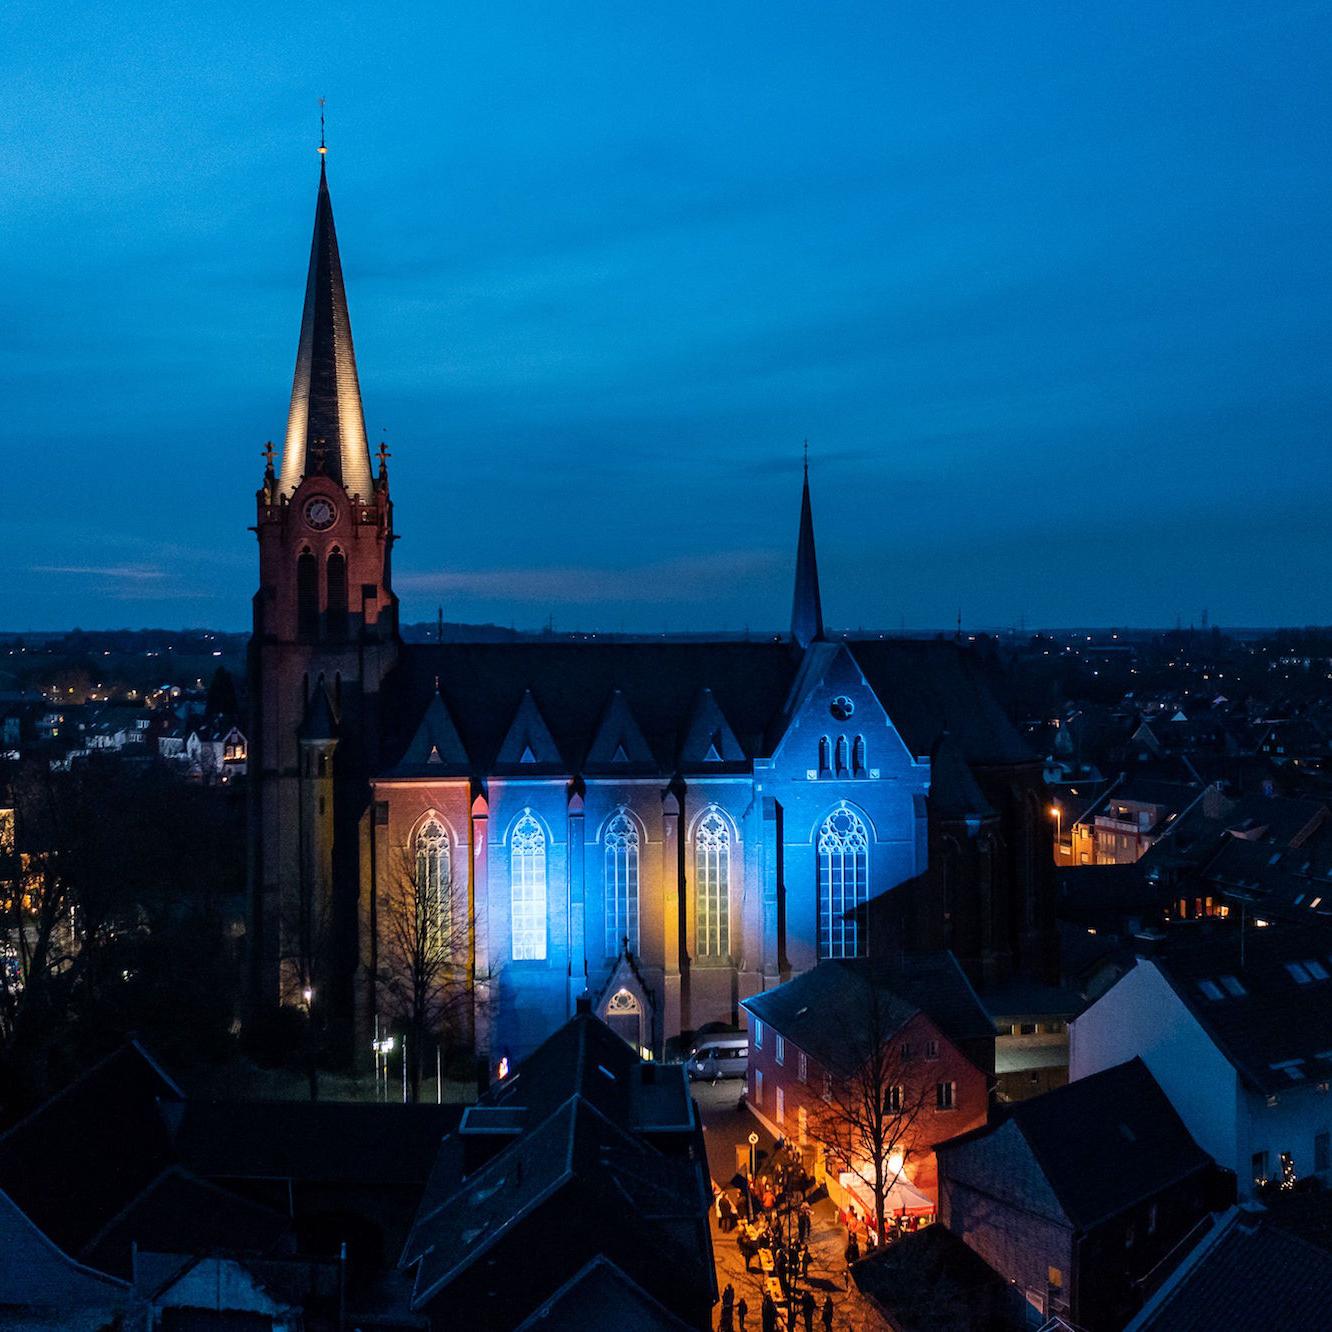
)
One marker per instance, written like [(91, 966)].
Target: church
[(665, 827)]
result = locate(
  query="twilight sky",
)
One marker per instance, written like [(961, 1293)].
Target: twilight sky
[(1048, 286)]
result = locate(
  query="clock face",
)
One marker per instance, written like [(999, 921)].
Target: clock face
[(320, 513), (842, 707)]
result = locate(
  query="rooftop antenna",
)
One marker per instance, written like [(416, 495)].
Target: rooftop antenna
[(323, 147)]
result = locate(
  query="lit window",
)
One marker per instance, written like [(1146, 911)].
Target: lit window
[(802, 1066), (843, 851), (1298, 973), (758, 1034), (781, 1106), (621, 882), (758, 1086), (712, 884), (1210, 989), (895, 1099), (527, 883), (432, 870), (1233, 986), (1315, 969), (945, 1095), (779, 1049)]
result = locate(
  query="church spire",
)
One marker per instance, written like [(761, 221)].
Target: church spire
[(325, 426), (806, 607)]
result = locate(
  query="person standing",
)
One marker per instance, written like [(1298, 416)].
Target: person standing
[(768, 1316), (827, 1313), (807, 1309), (741, 1313)]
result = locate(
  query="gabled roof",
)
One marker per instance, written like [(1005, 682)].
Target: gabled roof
[(600, 1296), (1104, 1143), (618, 743), (435, 749), (1248, 1273), (82, 1156), (325, 392), (709, 740), (925, 688), (529, 746), (1277, 1032), (954, 792), (818, 1010)]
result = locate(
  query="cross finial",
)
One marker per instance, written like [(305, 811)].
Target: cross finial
[(323, 148), (383, 455), (806, 455), (269, 452)]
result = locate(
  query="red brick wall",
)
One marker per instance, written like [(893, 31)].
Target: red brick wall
[(930, 1127)]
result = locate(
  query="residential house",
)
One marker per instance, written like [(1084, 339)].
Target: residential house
[(1237, 1028), (1077, 1195), (918, 1014), (579, 1183)]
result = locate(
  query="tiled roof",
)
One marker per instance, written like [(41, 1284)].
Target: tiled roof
[(1269, 1012), (1252, 1275), (601, 1296), (926, 688), (816, 1010), (1103, 1143)]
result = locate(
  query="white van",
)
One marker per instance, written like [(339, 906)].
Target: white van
[(719, 1057)]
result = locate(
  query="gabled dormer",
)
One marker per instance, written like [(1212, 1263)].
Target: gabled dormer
[(709, 740), (435, 749), (618, 745), (529, 747)]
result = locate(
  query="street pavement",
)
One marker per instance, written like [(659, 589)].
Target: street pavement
[(724, 1126)]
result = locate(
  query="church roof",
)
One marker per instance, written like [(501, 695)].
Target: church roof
[(435, 749), (325, 392), (925, 687)]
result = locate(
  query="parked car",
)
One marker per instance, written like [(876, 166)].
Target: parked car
[(717, 1057)]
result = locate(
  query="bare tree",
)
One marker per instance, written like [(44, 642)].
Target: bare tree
[(427, 973), (873, 1095)]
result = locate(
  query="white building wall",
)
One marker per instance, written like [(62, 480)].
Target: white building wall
[(1142, 1015)]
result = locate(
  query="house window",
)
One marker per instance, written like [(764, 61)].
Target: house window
[(945, 1095), (337, 595), (712, 884), (758, 1034), (827, 1087), (781, 1106), (802, 1066), (894, 1099), (779, 1049), (843, 851), (307, 597), (621, 862), (432, 870), (1322, 1152), (758, 1086), (931, 1049), (1026, 1029), (527, 886), (905, 1049)]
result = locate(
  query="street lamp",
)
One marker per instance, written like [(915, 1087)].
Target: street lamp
[(1057, 815)]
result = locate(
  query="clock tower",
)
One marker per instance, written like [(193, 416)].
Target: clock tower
[(325, 635)]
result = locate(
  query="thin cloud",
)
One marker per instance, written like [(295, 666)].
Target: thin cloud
[(135, 572)]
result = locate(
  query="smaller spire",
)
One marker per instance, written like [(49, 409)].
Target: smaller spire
[(323, 147), (806, 605)]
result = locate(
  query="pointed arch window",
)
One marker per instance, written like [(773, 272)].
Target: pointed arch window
[(843, 855), (842, 765), (307, 597), (621, 883), (433, 870), (337, 594), (712, 884), (527, 887), (858, 755), (825, 755)]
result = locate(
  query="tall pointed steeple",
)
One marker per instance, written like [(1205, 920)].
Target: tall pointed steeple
[(806, 607), (325, 426)]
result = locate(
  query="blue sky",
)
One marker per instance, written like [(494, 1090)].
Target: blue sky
[(1047, 287)]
